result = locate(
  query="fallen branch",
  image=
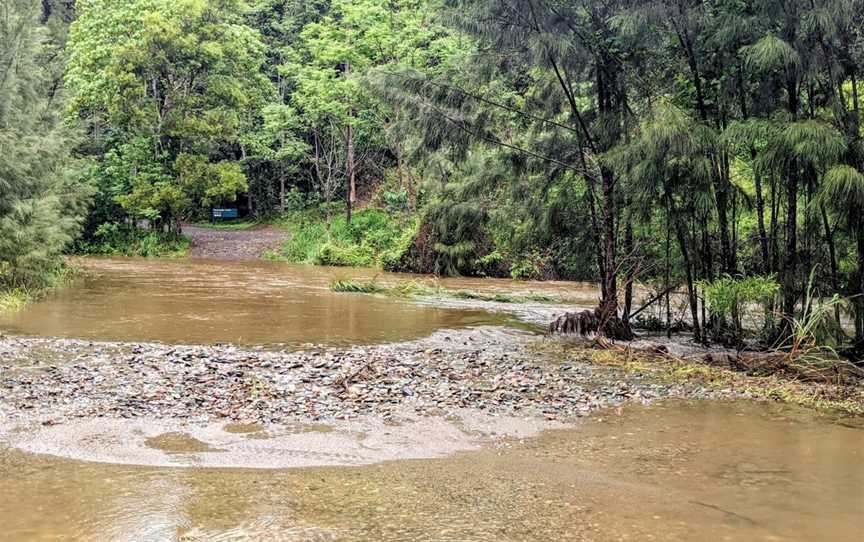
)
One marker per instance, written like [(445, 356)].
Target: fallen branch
[(653, 300)]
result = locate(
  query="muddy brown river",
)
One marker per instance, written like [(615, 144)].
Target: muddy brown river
[(252, 302), (678, 471), (692, 471)]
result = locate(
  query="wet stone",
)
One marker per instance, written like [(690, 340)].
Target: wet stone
[(264, 386)]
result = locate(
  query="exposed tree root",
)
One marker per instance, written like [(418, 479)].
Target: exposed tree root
[(592, 323)]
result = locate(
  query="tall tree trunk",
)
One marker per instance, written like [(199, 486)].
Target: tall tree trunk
[(859, 327), (688, 270), (832, 254), (595, 233), (668, 277), (790, 263), (806, 253), (609, 303), (282, 193), (351, 189), (722, 191), (350, 194), (760, 215), (631, 271), (775, 213)]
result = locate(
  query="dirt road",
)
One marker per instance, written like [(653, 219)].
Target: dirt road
[(218, 244)]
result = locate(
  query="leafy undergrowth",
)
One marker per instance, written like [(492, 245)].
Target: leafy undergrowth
[(736, 373), (14, 298), (119, 240), (374, 238), (419, 289)]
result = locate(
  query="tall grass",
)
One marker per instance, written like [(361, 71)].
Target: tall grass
[(18, 289), (808, 348), (15, 299), (372, 239)]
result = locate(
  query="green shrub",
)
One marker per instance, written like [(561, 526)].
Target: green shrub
[(345, 256), (396, 201), (374, 238), (111, 239), (730, 300), (305, 238), (533, 266)]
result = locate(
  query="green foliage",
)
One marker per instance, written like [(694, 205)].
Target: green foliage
[(533, 266), (175, 83), (338, 255), (354, 287), (739, 300), (181, 72), (112, 239), (42, 198), (396, 201), (208, 184), (843, 192), (374, 238), (814, 330), (771, 53)]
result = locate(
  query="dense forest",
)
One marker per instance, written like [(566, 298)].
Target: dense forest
[(708, 147)]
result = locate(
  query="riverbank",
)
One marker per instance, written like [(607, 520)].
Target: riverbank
[(226, 406), (470, 385), (487, 369)]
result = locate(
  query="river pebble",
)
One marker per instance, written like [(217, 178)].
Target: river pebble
[(486, 369)]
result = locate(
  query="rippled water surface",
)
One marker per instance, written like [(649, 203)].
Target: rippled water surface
[(700, 471), (250, 302)]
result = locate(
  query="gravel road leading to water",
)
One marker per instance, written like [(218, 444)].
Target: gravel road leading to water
[(248, 244)]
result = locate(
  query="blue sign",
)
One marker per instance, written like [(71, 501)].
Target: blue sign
[(225, 213)]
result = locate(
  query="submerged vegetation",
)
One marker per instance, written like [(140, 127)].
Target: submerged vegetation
[(418, 289)]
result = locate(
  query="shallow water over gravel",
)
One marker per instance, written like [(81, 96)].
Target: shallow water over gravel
[(694, 471)]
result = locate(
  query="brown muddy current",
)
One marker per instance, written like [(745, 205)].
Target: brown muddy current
[(675, 471), (253, 302), (692, 471)]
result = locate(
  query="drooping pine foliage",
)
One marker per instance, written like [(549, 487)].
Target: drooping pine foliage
[(41, 196), (717, 126)]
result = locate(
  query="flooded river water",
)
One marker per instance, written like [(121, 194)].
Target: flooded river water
[(679, 471), (692, 471), (252, 302)]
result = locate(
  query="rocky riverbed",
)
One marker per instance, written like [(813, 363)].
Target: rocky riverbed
[(485, 369)]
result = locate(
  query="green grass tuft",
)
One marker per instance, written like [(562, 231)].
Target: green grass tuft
[(418, 289), (354, 287), (15, 299)]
